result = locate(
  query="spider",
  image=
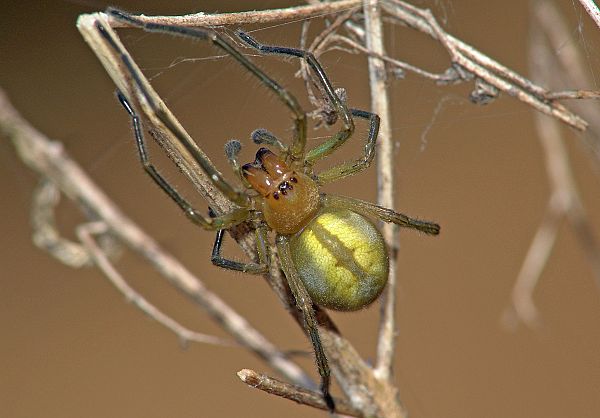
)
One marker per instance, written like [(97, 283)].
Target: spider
[(331, 253)]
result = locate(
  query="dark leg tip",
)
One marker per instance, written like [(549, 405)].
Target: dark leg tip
[(247, 38), (329, 402), (121, 15), (125, 103)]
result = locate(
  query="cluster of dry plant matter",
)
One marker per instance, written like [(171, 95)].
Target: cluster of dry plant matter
[(355, 24)]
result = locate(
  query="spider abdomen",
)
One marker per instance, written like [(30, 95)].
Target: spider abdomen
[(342, 259)]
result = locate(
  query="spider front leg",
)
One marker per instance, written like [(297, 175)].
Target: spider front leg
[(371, 210), (299, 141), (305, 304), (219, 222), (167, 119), (262, 136), (352, 167), (342, 111)]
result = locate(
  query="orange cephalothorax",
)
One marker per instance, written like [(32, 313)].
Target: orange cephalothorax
[(290, 199)]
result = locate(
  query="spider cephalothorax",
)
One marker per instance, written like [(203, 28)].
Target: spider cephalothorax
[(289, 198), (328, 248)]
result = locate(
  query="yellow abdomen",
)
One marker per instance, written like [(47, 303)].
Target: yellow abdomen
[(342, 259)]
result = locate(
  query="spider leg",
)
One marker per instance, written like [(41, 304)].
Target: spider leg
[(262, 136), (232, 149), (219, 222), (384, 214), (172, 125), (261, 267), (205, 34), (352, 167), (344, 114), (305, 304)]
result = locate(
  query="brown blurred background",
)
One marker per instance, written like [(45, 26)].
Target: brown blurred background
[(72, 346)]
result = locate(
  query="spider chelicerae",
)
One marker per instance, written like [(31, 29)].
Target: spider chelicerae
[(329, 250)]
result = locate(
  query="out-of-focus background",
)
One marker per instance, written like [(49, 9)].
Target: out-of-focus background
[(71, 344)]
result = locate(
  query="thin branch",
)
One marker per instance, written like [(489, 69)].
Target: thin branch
[(564, 202), (243, 18), (373, 396), (440, 78), (470, 63), (323, 110), (86, 233), (522, 307), (482, 66), (293, 392), (386, 342), (46, 235), (51, 161), (573, 94), (592, 9), (572, 66)]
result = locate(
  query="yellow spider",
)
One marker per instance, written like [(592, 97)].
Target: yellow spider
[(329, 249)]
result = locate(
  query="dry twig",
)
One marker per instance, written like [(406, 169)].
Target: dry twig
[(245, 18), (572, 67), (564, 201), (482, 67), (293, 392), (86, 233), (592, 9), (385, 183)]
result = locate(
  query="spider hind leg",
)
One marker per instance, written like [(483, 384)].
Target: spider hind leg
[(305, 304)]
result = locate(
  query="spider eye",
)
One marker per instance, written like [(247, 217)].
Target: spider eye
[(294, 180), (284, 187), (275, 195)]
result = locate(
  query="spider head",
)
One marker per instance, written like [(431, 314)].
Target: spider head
[(289, 198)]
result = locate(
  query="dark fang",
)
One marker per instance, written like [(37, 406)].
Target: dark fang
[(260, 154)]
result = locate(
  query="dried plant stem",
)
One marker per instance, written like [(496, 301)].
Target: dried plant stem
[(86, 233), (592, 9), (258, 16), (442, 78), (385, 186), (481, 66), (293, 392), (564, 201), (573, 68), (89, 252)]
